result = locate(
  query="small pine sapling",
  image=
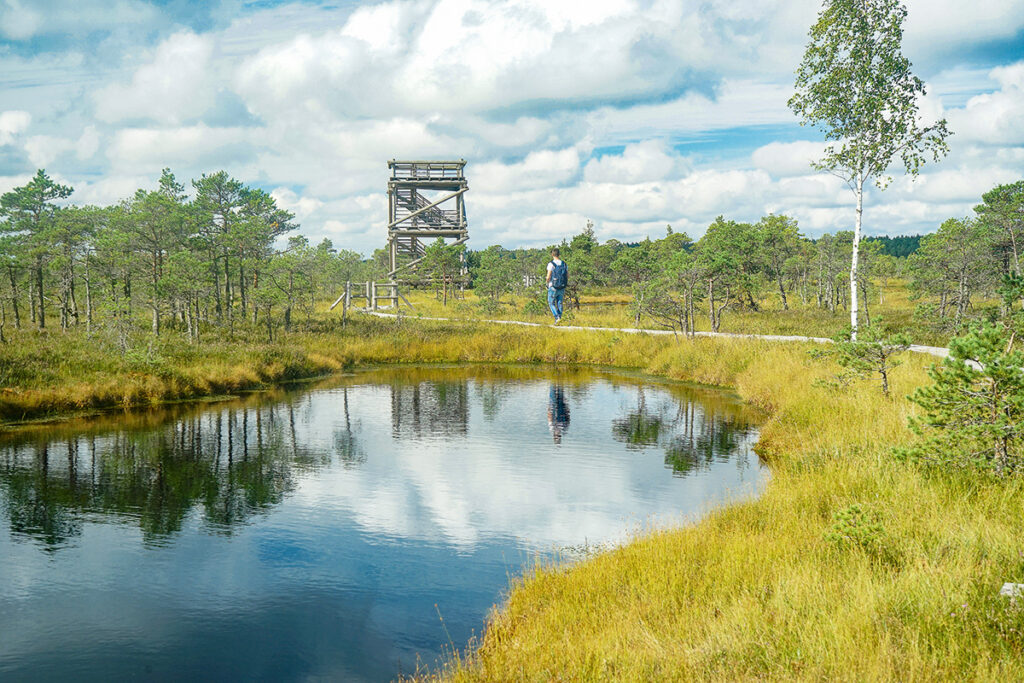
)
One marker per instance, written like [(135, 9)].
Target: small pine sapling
[(974, 409), (873, 353)]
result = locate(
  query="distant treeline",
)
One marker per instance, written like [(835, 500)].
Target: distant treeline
[(900, 246), (738, 265)]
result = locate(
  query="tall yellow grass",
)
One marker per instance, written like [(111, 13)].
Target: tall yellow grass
[(752, 591)]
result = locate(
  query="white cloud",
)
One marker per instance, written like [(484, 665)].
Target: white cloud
[(22, 21), (110, 189), (88, 143), (9, 182), (946, 185), (43, 149), (820, 189), (17, 21), (941, 24), (783, 159), (639, 162), (996, 117), (735, 193), (175, 86), (302, 207), (378, 25), (141, 150), (481, 55), (542, 169), (12, 124), (524, 131)]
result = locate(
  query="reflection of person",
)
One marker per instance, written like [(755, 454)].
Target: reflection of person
[(558, 278), (558, 412)]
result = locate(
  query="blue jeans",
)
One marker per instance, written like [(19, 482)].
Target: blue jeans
[(555, 297)]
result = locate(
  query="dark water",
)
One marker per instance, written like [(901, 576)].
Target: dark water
[(325, 533)]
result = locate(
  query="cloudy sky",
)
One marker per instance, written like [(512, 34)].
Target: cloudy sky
[(632, 113)]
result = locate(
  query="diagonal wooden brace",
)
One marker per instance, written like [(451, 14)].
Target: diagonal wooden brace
[(410, 264), (427, 207)]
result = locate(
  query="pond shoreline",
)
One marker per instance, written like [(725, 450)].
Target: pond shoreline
[(475, 470), (185, 376), (747, 606)]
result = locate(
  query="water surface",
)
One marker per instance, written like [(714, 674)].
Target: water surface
[(349, 530)]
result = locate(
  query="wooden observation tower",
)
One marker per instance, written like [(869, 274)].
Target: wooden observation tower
[(426, 200)]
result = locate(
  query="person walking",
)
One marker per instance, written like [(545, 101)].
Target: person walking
[(557, 280)]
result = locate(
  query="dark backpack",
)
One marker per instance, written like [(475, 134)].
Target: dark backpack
[(559, 275)]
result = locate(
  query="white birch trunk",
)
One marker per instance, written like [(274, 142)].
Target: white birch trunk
[(856, 253)]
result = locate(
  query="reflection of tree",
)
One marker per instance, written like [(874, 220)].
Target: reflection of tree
[(431, 408), (35, 507), (491, 395), (693, 435), (639, 428), (230, 464)]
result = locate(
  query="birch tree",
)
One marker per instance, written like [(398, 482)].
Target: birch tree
[(856, 86)]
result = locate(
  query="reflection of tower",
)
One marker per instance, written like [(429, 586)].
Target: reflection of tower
[(431, 408), (345, 443)]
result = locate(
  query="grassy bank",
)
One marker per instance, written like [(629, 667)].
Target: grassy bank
[(756, 590), (52, 374), (611, 308)]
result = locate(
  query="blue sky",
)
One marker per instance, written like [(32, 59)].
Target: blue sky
[(631, 113)]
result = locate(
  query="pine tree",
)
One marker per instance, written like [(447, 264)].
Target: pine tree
[(873, 352), (974, 410)]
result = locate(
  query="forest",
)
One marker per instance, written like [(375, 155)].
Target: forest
[(225, 258)]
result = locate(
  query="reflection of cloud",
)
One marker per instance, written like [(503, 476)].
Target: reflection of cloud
[(443, 461), (505, 478), (278, 521)]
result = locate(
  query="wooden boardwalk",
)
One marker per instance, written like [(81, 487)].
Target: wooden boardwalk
[(939, 351)]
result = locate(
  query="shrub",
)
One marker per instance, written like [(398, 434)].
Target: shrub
[(974, 409), (873, 352), (855, 526), (538, 305)]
